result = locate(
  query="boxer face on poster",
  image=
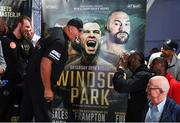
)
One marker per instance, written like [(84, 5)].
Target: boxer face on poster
[(90, 37), (118, 26)]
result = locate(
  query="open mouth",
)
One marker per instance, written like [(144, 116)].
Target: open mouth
[(91, 44)]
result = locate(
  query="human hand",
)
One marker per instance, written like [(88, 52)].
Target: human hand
[(48, 95), (123, 60), (1, 71)]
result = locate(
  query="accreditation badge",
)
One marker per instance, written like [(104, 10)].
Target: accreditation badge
[(12, 45)]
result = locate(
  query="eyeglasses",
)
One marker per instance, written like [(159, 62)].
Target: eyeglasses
[(151, 89)]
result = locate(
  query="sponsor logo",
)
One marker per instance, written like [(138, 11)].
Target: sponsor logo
[(12, 45)]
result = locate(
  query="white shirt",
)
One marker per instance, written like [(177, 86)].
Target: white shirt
[(35, 39), (154, 112)]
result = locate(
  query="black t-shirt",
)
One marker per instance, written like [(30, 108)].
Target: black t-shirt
[(54, 48)]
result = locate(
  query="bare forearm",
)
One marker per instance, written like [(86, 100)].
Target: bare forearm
[(46, 73), (1, 71)]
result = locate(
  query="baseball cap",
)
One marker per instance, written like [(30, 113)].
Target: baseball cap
[(76, 22), (170, 45)]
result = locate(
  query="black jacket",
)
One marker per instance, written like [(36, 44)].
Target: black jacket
[(135, 86), (16, 53)]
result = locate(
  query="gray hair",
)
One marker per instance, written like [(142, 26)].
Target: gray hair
[(160, 82)]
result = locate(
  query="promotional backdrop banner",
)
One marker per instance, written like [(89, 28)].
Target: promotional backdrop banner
[(84, 91), (11, 9)]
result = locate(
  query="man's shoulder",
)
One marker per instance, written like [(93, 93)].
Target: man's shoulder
[(175, 62), (57, 34), (143, 69), (178, 60), (143, 73), (172, 104), (4, 38), (6, 41)]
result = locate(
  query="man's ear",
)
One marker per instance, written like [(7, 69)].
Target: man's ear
[(71, 28), (19, 24), (161, 91)]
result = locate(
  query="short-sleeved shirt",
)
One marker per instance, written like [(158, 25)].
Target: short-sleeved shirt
[(54, 48)]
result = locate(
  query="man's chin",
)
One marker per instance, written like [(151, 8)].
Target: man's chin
[(115, 39), (91, 53), (122, 37), (122, 40)]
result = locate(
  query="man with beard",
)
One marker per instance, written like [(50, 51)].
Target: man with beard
[(17, 51), (168, 51), (118, 30), (90, 46)]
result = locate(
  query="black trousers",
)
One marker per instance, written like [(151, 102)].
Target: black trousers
[(34, 105), (8, 99)]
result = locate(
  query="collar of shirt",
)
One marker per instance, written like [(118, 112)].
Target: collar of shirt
[(158, 109), (174, 61), (160, 106)]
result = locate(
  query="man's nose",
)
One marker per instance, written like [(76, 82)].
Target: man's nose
[(91, 33), (121, 27)]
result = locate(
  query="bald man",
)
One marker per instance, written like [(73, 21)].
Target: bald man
[(160, 108)]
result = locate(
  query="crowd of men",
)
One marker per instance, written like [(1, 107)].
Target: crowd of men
[(28, 69)]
